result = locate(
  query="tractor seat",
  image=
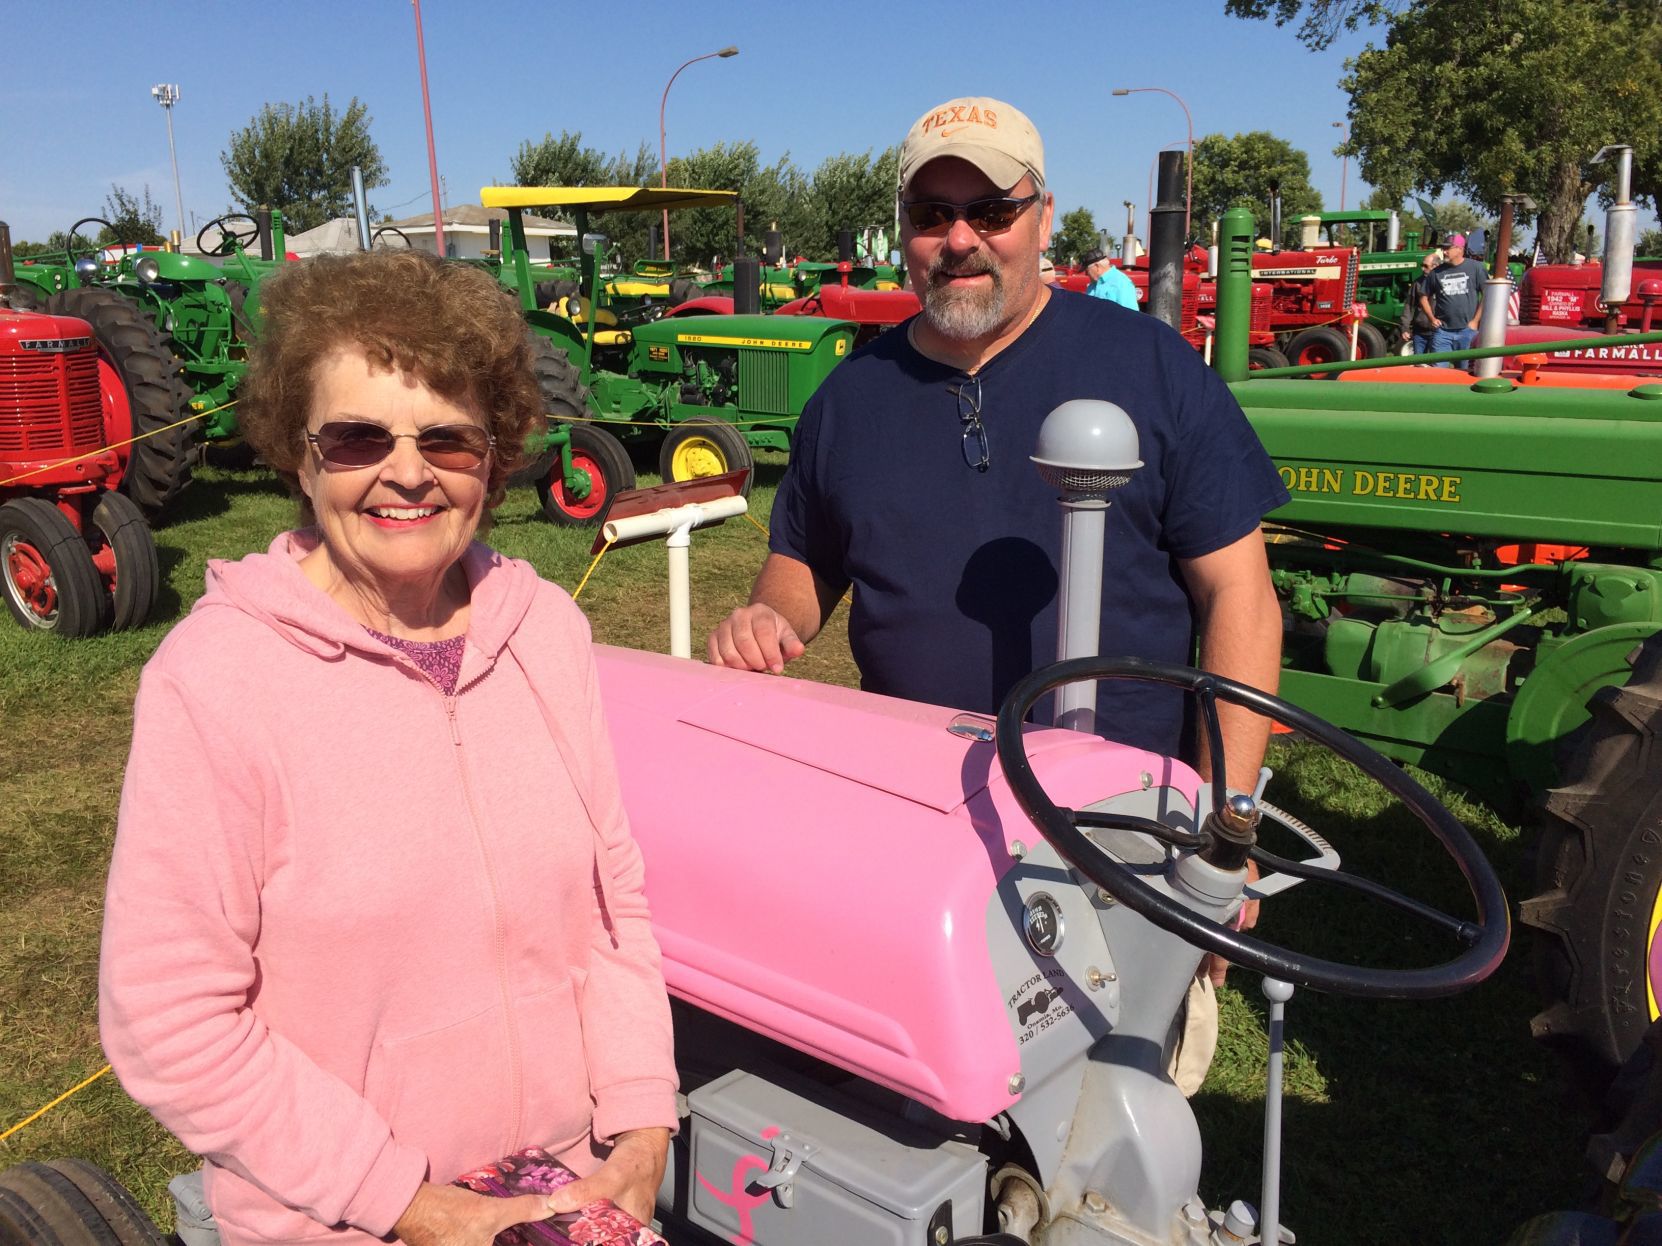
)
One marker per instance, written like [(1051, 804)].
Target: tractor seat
[(577, 310), (612, 337)]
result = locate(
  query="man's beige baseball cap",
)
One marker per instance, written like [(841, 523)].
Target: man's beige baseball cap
[(995, 137)]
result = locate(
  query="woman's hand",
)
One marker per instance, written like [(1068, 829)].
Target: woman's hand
[(630, 1176), (447, 1215)]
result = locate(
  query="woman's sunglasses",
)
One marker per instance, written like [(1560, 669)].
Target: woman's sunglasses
[(358, 443), (985, 216)]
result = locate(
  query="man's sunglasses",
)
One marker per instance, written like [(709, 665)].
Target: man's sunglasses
[(985, 216), (358, 443)]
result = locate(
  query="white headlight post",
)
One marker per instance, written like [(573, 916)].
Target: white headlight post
[(1087, 448)]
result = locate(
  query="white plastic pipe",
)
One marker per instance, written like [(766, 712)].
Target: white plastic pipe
[(677, 524), (662, 523)]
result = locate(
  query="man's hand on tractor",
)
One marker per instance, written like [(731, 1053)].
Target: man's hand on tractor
[(447, 1215), (1216, 967), (630, 1176), (755, 638)]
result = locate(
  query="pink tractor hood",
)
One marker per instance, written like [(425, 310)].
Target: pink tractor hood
[(821, 863)]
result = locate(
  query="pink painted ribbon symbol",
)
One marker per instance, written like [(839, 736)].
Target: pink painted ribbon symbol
[(739, 1199)]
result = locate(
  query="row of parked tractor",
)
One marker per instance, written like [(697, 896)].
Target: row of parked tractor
[(648, 365)]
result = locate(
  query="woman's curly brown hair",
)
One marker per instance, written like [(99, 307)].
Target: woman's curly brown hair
[(449, 325)]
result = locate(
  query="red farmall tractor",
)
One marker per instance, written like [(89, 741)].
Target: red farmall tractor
[(75, 557)]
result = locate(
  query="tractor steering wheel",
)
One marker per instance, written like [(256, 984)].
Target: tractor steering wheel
[(390, 229), (69, 238), (229, 239), (1486, 939)]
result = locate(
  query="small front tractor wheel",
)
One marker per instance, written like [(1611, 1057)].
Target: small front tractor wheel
[(1318, 345), (1598, 912), (1370, 342), (601, 455), (126, 560), (50, 582), (1260, 357), (704, 448), (156, 467)]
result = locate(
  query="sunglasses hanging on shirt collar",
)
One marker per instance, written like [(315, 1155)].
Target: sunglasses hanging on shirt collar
[(973, 440)]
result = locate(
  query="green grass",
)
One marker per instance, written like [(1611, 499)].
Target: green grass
[(1433, 1122)]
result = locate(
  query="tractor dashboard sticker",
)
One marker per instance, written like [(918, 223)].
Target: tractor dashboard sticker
[(657, 354), (771, 343), (842, 346), (1038, 1004), (1365, 483)]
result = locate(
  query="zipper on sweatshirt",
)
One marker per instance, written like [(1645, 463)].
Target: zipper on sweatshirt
[(516, 1074)]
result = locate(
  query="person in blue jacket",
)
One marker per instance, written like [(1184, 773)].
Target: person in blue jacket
[(1107, 281)]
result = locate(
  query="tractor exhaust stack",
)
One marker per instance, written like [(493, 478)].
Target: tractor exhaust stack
[(262, 222), (360, 210), (1165, 242), (1497, 290), (1620, 222), (8, 276)]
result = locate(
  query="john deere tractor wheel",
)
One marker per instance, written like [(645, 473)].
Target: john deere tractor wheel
[(155, 468), (704, 448), (564, 400), (1598, 943), (602, 456), (125, 555), (50, 582), (1370, 342), (1318, 345)]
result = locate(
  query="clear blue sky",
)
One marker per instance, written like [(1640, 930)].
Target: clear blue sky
[(810, 81)]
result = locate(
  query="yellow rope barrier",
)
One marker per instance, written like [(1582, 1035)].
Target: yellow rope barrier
[(578, 591), (92, 454), (759, 525), (30, 1119)]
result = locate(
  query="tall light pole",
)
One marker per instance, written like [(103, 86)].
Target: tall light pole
[(663, 158), (432, 153), (167, 94), (1344, 158), (1189, 184)]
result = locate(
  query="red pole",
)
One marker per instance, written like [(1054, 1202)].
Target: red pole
[(432, 154)]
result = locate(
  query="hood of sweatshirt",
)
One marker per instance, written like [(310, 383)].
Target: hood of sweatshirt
[(272, 588)]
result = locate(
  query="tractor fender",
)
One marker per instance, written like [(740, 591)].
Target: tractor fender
[(558, 330)]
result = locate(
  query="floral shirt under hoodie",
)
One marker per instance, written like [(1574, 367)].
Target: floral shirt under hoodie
[(360, 934)]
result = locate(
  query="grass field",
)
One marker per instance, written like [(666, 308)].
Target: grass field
[(1430, 1122)]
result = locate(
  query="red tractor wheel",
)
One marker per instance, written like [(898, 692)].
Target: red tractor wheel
[(602, 456), (1318, 345), (50, 582), (124, 553)]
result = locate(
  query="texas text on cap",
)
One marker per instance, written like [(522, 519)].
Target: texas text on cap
[(995, 137)]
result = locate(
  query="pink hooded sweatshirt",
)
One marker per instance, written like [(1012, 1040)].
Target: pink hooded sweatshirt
[(360, 934)]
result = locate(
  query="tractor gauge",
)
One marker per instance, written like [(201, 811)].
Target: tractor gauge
[(1041, 922)]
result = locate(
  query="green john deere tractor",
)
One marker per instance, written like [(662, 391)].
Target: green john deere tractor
[(1471, 581), (701, 392)]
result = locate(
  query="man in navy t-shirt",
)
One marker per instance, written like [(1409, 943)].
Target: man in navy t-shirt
[(910, 480)]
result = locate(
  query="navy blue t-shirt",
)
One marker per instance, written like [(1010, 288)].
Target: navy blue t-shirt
[(955, 571)]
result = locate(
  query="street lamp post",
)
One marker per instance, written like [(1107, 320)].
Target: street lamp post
[(167, 94), (1189, 181), (663, 157), (1344, 158), (432, 152)]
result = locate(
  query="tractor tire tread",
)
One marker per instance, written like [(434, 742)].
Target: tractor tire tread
[(114, 1202), (68, 1214), (1595, 838), (83, 606), (159, 465)]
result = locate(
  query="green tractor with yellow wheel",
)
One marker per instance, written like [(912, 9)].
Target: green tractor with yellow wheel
[(698, 393)]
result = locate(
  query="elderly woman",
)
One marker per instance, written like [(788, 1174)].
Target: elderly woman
[(375, 916)]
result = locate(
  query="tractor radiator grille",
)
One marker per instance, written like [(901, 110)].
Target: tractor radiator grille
[(1262, 299), (1529, 305), (764, 381), (49, 404), (1350, 283)]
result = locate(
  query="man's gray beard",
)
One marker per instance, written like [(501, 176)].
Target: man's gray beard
[(964, 315)]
